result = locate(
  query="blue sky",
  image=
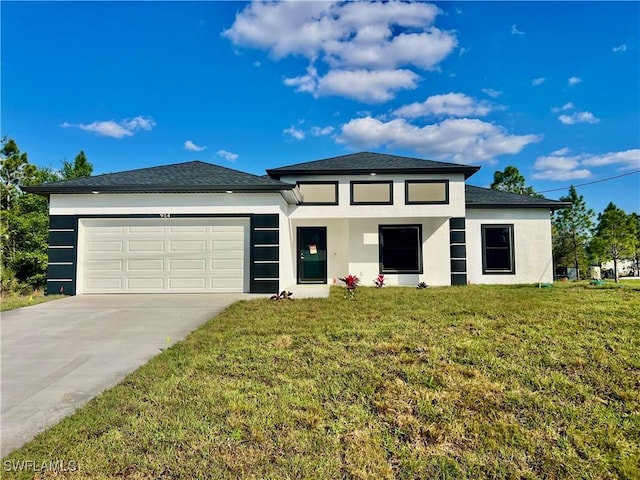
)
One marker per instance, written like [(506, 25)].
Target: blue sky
[(552, 88)]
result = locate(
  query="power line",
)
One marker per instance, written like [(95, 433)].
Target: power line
[(591, 183)]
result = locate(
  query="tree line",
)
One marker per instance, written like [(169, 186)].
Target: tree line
[(578, 240), (24, 220)]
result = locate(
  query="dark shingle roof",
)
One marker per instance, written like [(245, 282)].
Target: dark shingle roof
[(478, 197), (193, 176), (367, 162)]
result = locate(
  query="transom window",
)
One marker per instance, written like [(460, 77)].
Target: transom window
[(497, 249), (371, 193), (426, 191), (319, 193), (400, 248)]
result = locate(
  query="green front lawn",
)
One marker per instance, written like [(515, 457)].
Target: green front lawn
[(456, 382), (11, 302)]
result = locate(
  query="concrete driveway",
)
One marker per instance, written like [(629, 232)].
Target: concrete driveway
[(56, 356)]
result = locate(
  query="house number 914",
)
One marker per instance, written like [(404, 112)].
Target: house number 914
[(165, 215)]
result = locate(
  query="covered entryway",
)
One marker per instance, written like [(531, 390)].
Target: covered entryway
[(163, 255)]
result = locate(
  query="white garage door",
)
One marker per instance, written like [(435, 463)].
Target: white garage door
[(163, 255)]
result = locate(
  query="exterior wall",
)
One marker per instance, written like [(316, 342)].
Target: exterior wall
[(353, 248), (532, 245), (164, 203), (455, 207), (287, 249)]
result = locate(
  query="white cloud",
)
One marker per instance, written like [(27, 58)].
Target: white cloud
[(561, 166), (492, 93), (628, 159), (562, 151), (375, 86), (578, 117), (321, 131), (347, 37), (294, 133), (620, 48), (113, 129), (305, 83), (566, 106), (139, 123), (451, 104), (189, 145), (257, 63), (515, 31), (230, 157), (538, 81), (460, 140), (558, 166), (574, 81)]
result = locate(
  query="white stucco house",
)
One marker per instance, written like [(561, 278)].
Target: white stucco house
[(197, 227)]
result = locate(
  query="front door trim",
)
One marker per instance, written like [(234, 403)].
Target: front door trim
[(321, 251)]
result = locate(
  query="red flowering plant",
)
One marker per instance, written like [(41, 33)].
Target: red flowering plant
[(379, 281), (351, 282)]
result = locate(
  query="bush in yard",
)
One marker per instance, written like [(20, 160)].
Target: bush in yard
[(351, 282)]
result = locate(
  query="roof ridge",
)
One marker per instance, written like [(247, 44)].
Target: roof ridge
[(193, 175), (359, 162)]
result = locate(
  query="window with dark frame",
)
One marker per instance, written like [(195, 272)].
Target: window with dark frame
[(319, 193), (426, 192), (372, 193), (400, 248), (497, 249)]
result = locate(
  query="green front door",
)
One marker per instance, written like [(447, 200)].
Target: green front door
[(312, 254)]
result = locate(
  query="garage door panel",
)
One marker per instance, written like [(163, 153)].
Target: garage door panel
[(191, 264), (223, 263), (146, 229), (98, 247), (188, 229), (229, 273), (226, 245), (187, 283), (150, 284), (225, 231), (104, 284), (187, 246), (163, 255), (226, 254), (107, 229), (104, 265), (146, 246), (155, 264), (225, 285)]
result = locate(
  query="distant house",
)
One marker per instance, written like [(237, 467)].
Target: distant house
[(197, 227), (626, 268)]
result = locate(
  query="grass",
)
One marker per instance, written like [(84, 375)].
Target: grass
[(442, 383), (11, 302)]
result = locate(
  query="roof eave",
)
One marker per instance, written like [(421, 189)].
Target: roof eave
[(550, 205), (49, 190), (279, 173)]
